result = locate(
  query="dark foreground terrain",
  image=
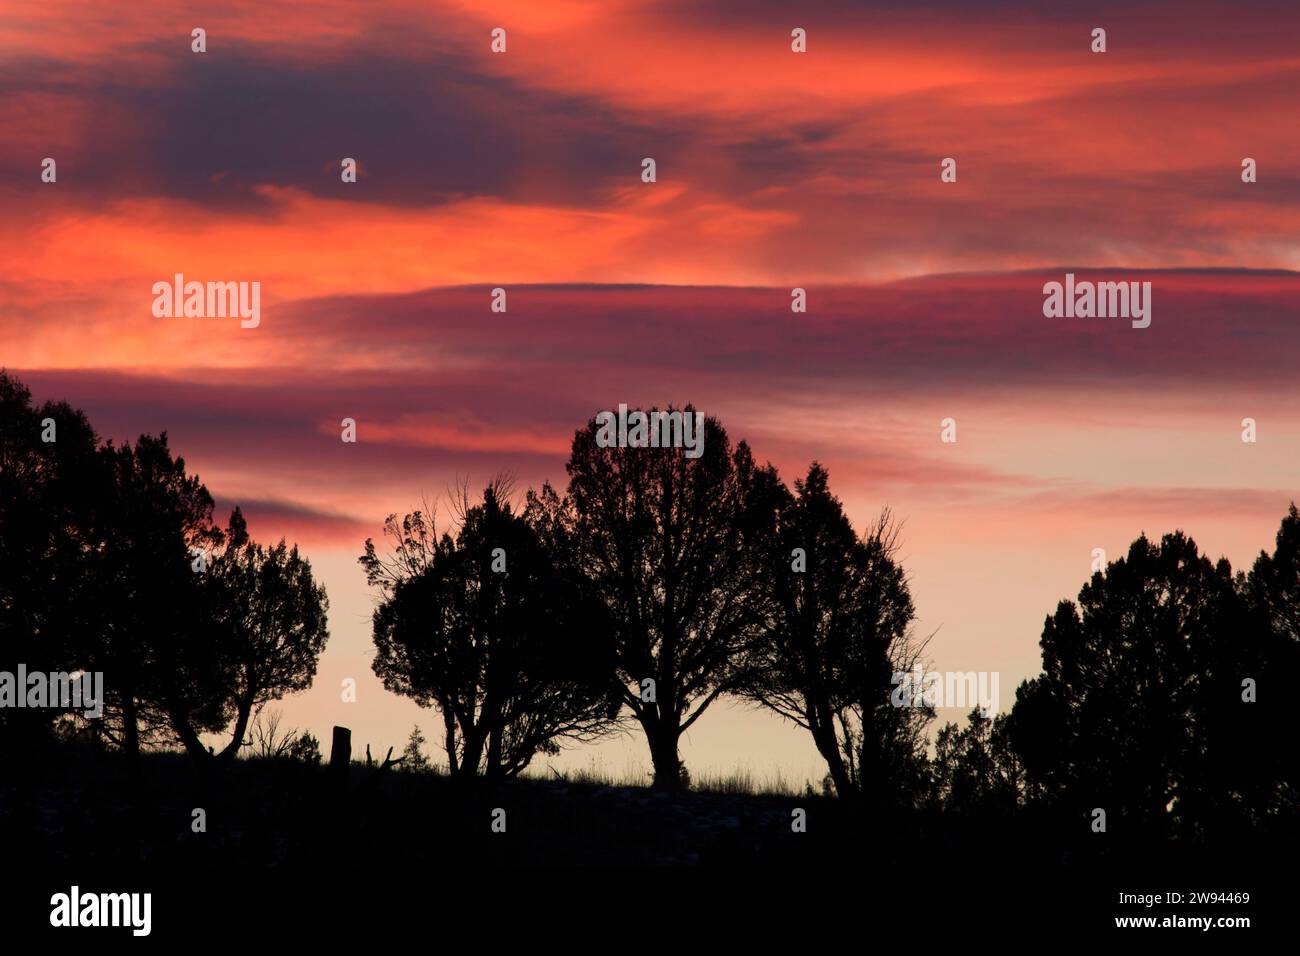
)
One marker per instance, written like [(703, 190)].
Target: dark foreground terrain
[(288, 831)]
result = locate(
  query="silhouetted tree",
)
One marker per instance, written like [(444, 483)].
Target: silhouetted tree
[(1120, 718), (1261, 776), (666, 543), (508, 654), (47, 602), (96, 551), (148, 643), (413, 756), (837, 632), (976, 772), (266, 617), (305, 749)]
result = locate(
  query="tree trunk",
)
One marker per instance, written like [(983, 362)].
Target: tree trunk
[(823, 732), (241, 727), (193, 745), (130, 733), (662, 736), (473, 750), (449, 722), (494, 768)]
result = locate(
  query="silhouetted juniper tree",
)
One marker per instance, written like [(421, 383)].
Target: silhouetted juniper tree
[(976, 772), (838, 627), (96, 573), (667, 545), (266, 617), (487, 628), (1123, 716), (148, 641), (1262, 776), (48, 602)]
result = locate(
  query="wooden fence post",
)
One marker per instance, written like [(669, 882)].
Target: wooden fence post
[(340, 753)]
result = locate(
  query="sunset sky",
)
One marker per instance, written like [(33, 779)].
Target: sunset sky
[(774, 170)]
